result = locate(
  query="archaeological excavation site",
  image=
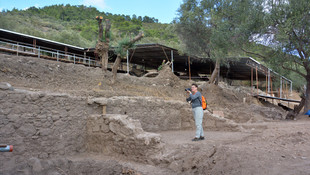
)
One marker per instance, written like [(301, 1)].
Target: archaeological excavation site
[(65, 115)]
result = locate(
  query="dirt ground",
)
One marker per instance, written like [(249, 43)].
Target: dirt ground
[(265, 144)]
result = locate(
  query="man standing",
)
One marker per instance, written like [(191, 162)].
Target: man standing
[(196, 101)]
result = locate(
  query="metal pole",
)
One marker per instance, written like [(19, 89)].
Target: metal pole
[(280, 87), (17, 49), (39, 52), (172, 66), (88, 61), (73, 58), (127, 62), (84, 60), (57, 55)]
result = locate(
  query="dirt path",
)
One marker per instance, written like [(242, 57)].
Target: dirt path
[(278, 148)]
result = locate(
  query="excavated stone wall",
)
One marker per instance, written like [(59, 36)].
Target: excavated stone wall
[(162, 115), (42, 125), (119, 134)]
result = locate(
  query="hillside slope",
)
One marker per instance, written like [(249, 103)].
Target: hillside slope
[(77, 25)]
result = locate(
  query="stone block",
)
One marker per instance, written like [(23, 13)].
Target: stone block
[(105, 128), (6, 86), (218, 113)]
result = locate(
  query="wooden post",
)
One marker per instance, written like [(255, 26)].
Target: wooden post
[(266, 83), (189, 67), (252, 80), (66, 50), (172, 66), (280, 87), (104, 109), (271, 87), (127, 57), (256, 80), (165, 53), (57, 55), (34, 45)]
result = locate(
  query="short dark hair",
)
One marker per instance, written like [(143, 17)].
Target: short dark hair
[(194, 84)]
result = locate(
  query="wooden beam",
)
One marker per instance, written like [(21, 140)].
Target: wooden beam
[(34, 45), (266, 83), (257, 80), (165, 53), (132, 55), (252, 80), (189, 67)]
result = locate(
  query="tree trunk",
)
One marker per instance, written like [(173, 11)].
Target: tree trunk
[(297, 108), (105, 57), (119, 57), (307, 95), (217, 79), (115, 67), (100, 28), (215, 72), (105, 54)]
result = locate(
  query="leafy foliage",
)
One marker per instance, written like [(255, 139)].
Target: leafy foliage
[(57, 21), (124, 43)]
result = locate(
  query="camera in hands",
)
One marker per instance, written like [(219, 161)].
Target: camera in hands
[(188, 89)]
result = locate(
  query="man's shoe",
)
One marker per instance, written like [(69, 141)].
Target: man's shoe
[(201, 138), (195, 139)]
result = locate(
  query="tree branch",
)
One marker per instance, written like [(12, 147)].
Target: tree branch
[(252, 53), (299, 49), (294, 70)]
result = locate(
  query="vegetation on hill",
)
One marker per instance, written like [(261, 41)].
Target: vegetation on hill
[(77, 25)]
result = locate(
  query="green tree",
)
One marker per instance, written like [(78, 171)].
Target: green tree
[(216, 28), (287, 31)]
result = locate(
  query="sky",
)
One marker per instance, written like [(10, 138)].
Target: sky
[(163, 10)]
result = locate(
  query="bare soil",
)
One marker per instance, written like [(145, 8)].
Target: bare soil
[(266, 144)]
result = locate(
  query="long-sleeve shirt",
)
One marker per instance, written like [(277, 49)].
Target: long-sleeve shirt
[(196, 99)]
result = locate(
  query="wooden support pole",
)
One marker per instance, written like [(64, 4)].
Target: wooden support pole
[(286, 90), (256, 80), (127, 57), (189, 67), (132, 55), (280, 87), (172, 64), (165, 53), (252, 80), (269, 80), (266, 82), (271, 87), (34, 45), (66, 50)]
